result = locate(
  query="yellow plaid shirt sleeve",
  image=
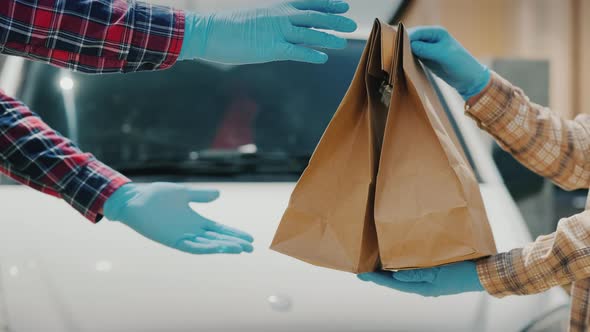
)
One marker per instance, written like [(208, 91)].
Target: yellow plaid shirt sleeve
[(558, 149)]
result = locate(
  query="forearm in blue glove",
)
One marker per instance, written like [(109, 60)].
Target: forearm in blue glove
[(444, 280), (281, 32), (449, 60), (161, 213)]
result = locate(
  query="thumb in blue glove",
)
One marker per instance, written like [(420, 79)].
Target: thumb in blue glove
[(161, 213), (449, 60), (444, 280), (281, 32)]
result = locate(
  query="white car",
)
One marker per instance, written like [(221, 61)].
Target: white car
[(247, 131)]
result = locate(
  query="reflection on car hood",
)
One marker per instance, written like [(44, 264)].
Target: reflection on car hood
[(71, 275)]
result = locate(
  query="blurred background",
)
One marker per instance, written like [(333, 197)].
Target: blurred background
[(543, 46), (250, 131)]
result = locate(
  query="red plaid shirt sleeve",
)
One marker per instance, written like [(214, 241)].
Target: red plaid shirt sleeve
[(39, 157), (92, 36), (101, 36)]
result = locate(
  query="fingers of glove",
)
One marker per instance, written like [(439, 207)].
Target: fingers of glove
[(311, 19), (203, 196), (420, 288), (427, 51), (419, 275), (315, 38), (380, 278), (386, 279), (429, 34), (226, 246), (208, 247), (246, 246), (229, 231), (303, 54), (326, 6)]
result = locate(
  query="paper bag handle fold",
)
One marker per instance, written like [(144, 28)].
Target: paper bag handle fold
[(381, 58)]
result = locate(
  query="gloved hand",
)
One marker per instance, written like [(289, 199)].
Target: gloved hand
[(445, 280), (161, 212), (449, 60), (280, 32)]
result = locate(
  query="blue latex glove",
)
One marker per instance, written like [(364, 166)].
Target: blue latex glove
[(444, 280), (449, 60), (280, 32), (161, 212)]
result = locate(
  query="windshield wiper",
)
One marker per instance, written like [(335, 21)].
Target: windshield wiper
[(221, 163)]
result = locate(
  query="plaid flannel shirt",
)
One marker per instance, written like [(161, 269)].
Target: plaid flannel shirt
[(558, 149), (100, 36), (92, 36)]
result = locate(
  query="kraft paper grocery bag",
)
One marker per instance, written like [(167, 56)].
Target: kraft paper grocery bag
[(330, 220), (428, 207)]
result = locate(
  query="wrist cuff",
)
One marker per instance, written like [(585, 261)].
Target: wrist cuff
[(477, 88), (114, 205), (196, 34)]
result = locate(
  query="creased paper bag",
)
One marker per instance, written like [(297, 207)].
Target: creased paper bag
[(388, 184)]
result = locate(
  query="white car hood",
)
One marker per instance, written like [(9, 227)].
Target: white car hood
[(61, 273)]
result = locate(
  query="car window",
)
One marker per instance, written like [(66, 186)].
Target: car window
[(197, 117)]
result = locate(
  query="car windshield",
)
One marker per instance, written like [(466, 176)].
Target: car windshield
[(197, 118)]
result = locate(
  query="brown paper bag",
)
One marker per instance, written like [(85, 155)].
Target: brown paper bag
[(330, 218), (428, 207)]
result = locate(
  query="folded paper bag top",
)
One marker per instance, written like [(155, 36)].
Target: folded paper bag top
[(387, 186)]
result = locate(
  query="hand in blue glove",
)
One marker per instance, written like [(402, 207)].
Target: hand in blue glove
[(161, 212), (444, 280), (443, 54), (281, 32)]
